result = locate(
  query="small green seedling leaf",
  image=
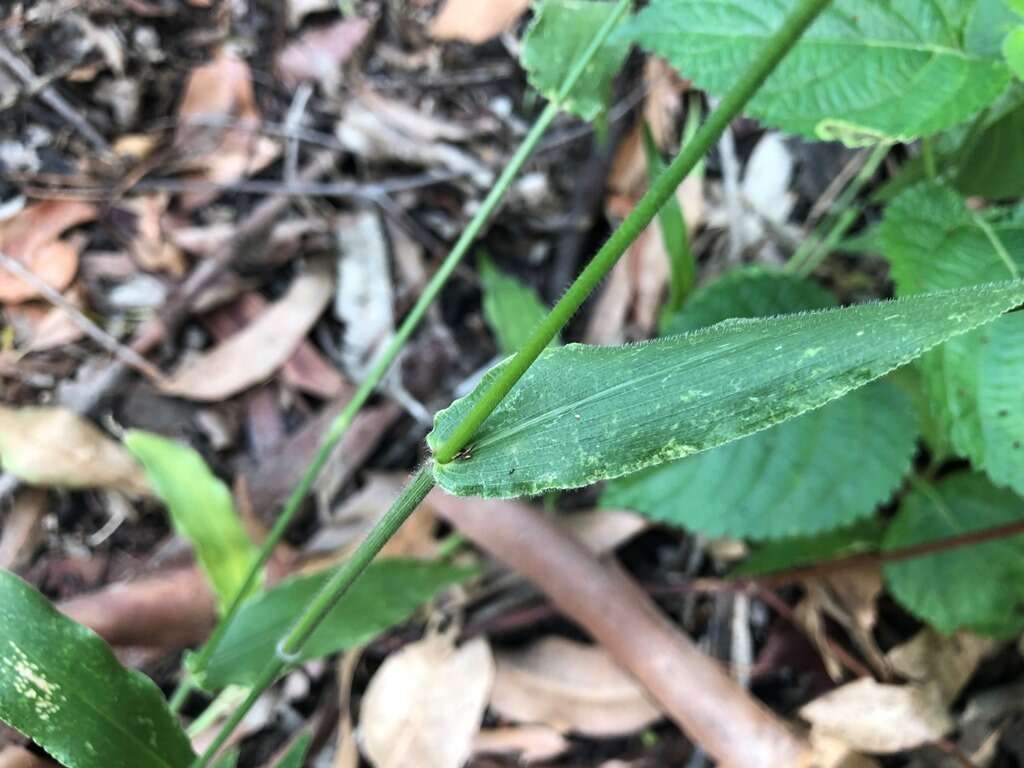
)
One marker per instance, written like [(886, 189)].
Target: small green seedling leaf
[(1013, 51), (201, 508), (62, 687), (782, 555), (561, 31), (296, 752), (770, 484), (867, 71), (972, 383), (511, 309), (386, 595), (978, 587), (582, 414)]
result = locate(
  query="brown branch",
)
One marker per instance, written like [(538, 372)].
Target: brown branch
[(695, 691)]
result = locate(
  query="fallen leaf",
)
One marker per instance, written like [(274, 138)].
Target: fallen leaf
[(255, 353), (379, 136), (20, 532), (222, 91), (364, 299), (603, 530), (50, 446), (569, 687), (151, 246), (874, 717), (475, 21), (318, 55), (42, 327), (32, 238), (526, 743), (849, 597), (833, 753), (424, 705), (949, 661)]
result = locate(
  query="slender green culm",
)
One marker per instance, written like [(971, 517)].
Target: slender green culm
[(730, 106), (383, 363), (290, 648), (665, 185)]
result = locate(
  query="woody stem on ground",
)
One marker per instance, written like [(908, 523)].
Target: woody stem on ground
[(386, 358), (730, 106)]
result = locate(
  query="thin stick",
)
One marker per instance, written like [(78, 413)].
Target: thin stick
[(383, 363), (126, 355)]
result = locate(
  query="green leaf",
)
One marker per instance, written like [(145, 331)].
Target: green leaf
[(990, 21), (61, 686), (992, 164), (561, 31), (978, 587), (230, 760), (772, 483), (582, 414), (866, 71), (385, 595), (511, 309), (1013, 51), (296, 752), (933, 241), (865, 536), (201, 508)]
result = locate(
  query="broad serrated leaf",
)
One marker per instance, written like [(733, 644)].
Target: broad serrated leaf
[(865, 536), (992, 163), (561, 31), (933, 241), (61, 686), (511, 309), (201, 508), (387, 594), (582, 414), (866, 70), (796, 478), (978, 587)]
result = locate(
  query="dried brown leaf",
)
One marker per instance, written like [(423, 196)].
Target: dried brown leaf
[(49, 446), (32, 238), (948, 661), (603, 530), (873, 717), (570, 687), (317, 56), (151, 245), (222, 91), (424, 706), (475, 21), (21, 528), (255, 353)]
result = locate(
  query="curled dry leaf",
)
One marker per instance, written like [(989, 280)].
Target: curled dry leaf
[(364, 299), (21, 528), (873, 717), (33, 237), (151, 246), (475, 21), (603, 530), (254, 353), (222, 91), (423, 707), (318, 55), (570, 687), (947, 661), (56, 447)]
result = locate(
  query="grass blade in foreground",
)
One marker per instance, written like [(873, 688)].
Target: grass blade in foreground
[(582, 414), (61, 686)]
